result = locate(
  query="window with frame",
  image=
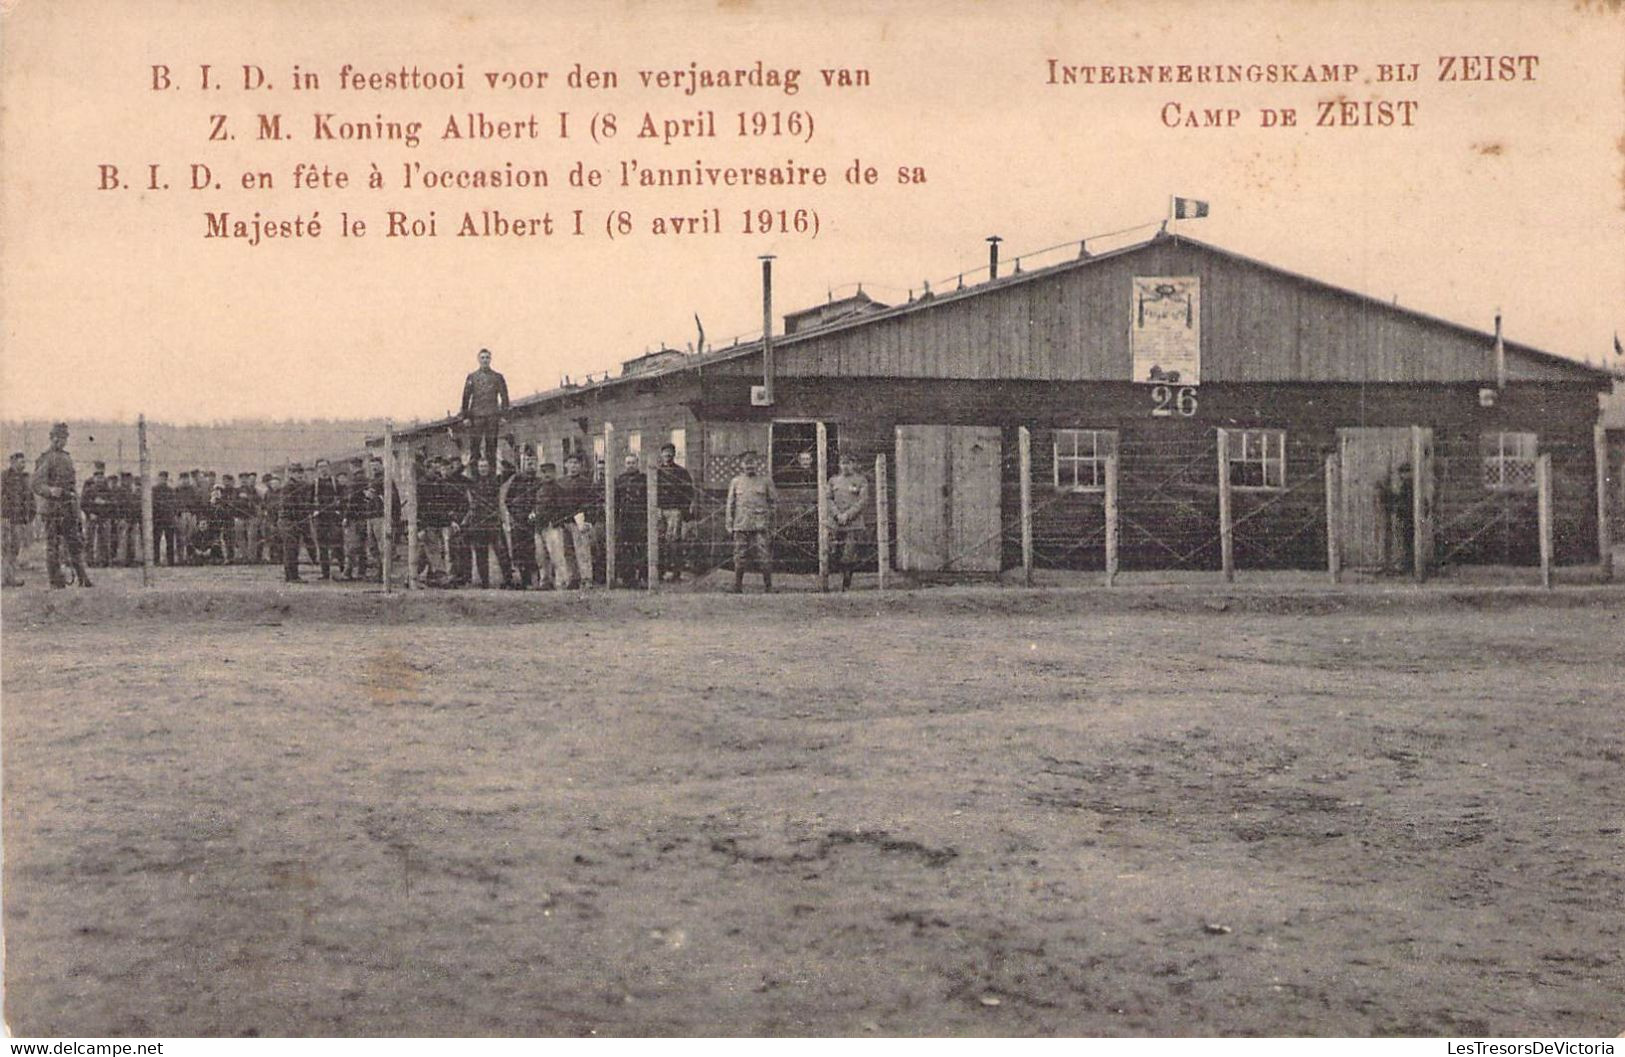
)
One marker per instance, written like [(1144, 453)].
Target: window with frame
[(679, 440), (1258, 458), (1509, 461), (634, 442), (795, 451), (1080, 459)]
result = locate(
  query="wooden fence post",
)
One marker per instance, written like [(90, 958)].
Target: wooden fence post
[(1421, 480), (1543, 485), (388, 550), (1025, 438), (611, 526), (409, 509), (823, 505), (882, 521), (148, 541), (1227, 543), (651, 518), (1605, 527), (1334, 510), (1111, 520)]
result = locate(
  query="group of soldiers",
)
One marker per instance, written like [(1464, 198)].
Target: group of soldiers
[(545, 527)]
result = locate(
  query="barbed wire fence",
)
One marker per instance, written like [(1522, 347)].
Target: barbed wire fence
[(1159, 506)]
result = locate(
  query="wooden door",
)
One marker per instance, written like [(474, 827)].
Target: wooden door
[(975, 533), (1372, 459), (948, 498), (922, 495)]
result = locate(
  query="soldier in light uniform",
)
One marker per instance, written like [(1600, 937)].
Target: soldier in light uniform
[(54, 487), (748, 516), (848, 511)]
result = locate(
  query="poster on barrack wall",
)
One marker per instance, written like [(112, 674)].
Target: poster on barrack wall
[(840, 518), (1167, 330)]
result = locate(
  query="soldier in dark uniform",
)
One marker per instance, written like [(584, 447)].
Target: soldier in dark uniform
[(327, 517), (294, 512), (485, 401), (185, 516), (248, 518), (163, 520), (676, 501), (225, 517), (270, 505), (432, 523), (97, 503), (129, 519), (519, 500), (632, 523), (455, 498), (17, 501), (482, 525), (54, 486)]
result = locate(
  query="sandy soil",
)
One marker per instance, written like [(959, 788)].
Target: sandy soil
[(960, 811)]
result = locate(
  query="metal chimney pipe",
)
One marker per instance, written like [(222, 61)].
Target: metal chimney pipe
[(993, 256), (767, 327)]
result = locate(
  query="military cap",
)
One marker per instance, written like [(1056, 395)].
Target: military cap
[(548, 466), (296, 467), (99, 466), (163, 473), (668, 446), (59, 430)]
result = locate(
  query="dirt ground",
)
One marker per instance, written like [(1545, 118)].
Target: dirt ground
[(1164, 809)]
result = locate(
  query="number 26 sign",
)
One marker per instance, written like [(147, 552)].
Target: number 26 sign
[(1168, 400)]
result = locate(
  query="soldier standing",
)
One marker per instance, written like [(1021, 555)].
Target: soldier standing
[(185, 515), (327, 517), (485, 401), (129, 519), (632, 524), (270, 504), (848, 508), (54, 484), (249, 516), (454, 497), (96, 501), (432, 524), (549, 558), (17, 501), (748, 515), (569, 542), (294, 512), (519, 500), (676, 501), (163, 520), (483, 524)]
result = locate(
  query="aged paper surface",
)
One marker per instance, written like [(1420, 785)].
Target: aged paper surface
[(289, 211)]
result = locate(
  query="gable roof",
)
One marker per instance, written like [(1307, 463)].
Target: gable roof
[(875, 314)]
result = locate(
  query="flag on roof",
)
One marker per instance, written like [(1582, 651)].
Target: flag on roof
[(1189, 209)]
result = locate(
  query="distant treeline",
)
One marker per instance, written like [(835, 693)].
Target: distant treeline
[(234, 447)]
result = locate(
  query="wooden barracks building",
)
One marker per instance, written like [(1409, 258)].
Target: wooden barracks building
[(1156, 353)]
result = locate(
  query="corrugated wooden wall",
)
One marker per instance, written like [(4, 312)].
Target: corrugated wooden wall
[(1258, 325)]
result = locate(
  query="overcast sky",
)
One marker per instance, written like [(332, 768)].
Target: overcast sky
[(1508, 194)]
